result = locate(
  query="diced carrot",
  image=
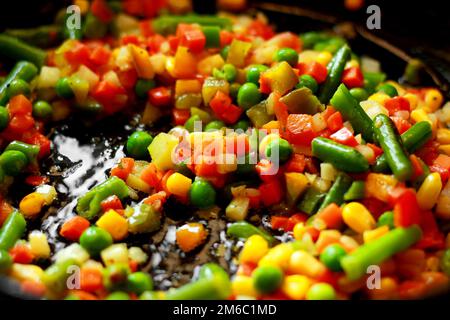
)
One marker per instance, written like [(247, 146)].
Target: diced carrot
[(151, 175), (123, 169), (331, 215), (190, 236), (73, 228), (279, 222), (91, 279), (21, 253)]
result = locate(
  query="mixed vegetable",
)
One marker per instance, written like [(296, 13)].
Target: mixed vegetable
[(349, 170)]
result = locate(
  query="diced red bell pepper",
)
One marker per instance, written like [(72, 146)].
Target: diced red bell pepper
[(194, 39), (204, 168), (21, 253), (36, 180), (20, 124), (429, 152), (335, 122), (226, 37), (74, 227), (417, 167), (130, 39), (113, 202), (432, 237), (401, 124), (107, 94), (377, 151), (344, 136), (154, 43), (102, 11), (232, 114), (297, 163), (40, 140), (279, 222), (353, 77), (180, 116), (78, 55), (300, 129), (272, 191), (397, 104), (266, 170), (145, 26), (281, 112), (224, 110), (19, 105), (123, 169), (174, 42), (314, 69), (294, 219), (128, 78), (406, 209), (100, 55), (375, 206), (160, 97), (442, 165), (258, 28)]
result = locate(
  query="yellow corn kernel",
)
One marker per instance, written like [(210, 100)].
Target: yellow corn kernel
[(299, 231), (179, 184), (371, 235), (357, 217), (207, 65), (302, 262), (39, 244), (114, 223), (243, 286), (32, 204), (296, 286), (278, 256), (433, 100), (387, 290), (443, 136), (254, 249), (445, 149), (429, 191), (187, 86), (412, 99), (379, 97), (23, 272), (420, 115), (324, 58)]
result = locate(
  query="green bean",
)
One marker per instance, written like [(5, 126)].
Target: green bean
[(342, 157), (5, 261), (244, 230), (336, 68), (386, 219), (392, 146), (12, 230), (93, 27), (337, 191), (413, 139), (202, 289), (356, 191), (350, 109), (356, 263), (372, 80), (212, 35), (30, 150), (55, 276), (311, 201), (22, 70), (42, 36), (89, 205), (214, 272), (18, 50), (166, 25)]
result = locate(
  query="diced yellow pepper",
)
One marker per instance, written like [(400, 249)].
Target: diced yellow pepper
[(274, 124), (278, 256), (211, 86), (371, 235), (324, 58), (429, 191), (114, 223), (357, 217), (281, 77), (238, 52), (443, 136), (161, 150), (206, 66), (243, 286), (254, 249), (179, 184), (39, 244), (379, 97), (32, 204), (142, 63), (185, 64), (433, 100), (187, 86), (296, 286), (237, 210), (378, 185), (136, 183), (302, 262), (296, 184)]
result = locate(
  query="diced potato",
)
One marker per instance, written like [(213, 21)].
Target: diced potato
[(161, 150), (73, 251), (116, 253)]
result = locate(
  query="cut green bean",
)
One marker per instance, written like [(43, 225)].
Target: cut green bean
[(311, 201), (337, 191), (244, 230), (16, 49), (202, 289), (392, 145), (356, 263), (342, 157), (166, 25), (22, 70), (356, 191), (12, 230), (42, 36), (350, 109)]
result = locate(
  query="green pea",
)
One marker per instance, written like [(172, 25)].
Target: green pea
[(359, 94), (138, 282), (5, 261), (254, 72), (321, 291), (387, 88), (248, 95), (13, 162), (4, 118), (42, 110), (234, 90), (445, 262), (63, 88), (95, 239), (202, 194), (214, 125), (18, 86), (287, 54), (386, 219), (228, 72), (224, 52), (143, 86), (309, 82), (118, 295), (242, 125), (138, 143), (190, 123), (267, 279), (284, 150), (331, 257)]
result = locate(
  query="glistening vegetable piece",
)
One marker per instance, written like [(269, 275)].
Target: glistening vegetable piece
[(337, 191), (22, 70), (16, 49), (12, 230), (244, 230)]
